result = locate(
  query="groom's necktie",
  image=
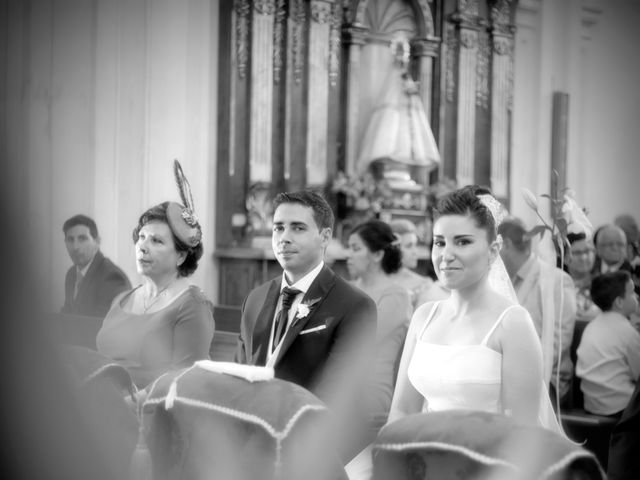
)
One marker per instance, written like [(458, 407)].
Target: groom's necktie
[(288, 295)]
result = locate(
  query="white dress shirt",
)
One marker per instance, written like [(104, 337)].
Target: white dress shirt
[(608, 363), (303, 285)]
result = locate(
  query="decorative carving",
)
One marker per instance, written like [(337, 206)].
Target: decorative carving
[(278, 40), (355, 35), (259, 209), (242, 9), (468, 38), (502, 45), (468, 7), (299, 18), (358, 17), (321, 11), (467, 16), (428, 17), (482, 71), (334, 45), (265, 7), (390, 19), (425, 47), (501, 12), (451, 60)]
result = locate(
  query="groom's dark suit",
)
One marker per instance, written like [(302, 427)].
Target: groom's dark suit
[(326, 351), (321, 350)]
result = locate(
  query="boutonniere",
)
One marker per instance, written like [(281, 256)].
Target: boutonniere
[(305, 307)]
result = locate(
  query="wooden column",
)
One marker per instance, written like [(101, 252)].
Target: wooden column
[(501, 87), (501, 96), (261, 127), (293, 78), (466, 122), (318, 92), (426, 49), (355, 36)]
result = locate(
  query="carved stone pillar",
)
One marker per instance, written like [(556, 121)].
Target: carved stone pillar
[(426, 49), (238, 59), (295, 65), (261, 127), (355, 37), (318, 93), (467, 19), (501, 95)]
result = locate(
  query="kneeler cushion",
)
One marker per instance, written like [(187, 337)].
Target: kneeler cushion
[(111, 425), (201, 424), (476, 445)]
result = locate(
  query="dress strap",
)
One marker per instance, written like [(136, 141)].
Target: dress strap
[(431, 315), (495, 325)]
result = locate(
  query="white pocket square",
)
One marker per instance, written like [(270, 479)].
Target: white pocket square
[(314, 329)]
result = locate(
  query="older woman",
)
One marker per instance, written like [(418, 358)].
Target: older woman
[(165, 323)]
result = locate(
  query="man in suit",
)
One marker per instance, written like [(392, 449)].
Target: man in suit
[(611, 250), (544, 291), (92, 283), (611, 245), (329, 332)]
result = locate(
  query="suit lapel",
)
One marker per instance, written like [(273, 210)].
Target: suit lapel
[(262, 327), (96, 264), (319, 289)]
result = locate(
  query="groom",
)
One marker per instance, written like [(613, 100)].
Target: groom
[(326, 338)]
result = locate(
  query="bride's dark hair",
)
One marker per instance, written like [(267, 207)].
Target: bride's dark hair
[(466, 201)]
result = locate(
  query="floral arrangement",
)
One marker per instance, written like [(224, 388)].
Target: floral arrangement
[(566, 216), (360, 193), (304, 308)]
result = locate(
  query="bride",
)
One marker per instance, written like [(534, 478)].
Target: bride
[(477, 349)]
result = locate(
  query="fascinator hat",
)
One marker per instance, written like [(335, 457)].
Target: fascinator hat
[(182, 218)]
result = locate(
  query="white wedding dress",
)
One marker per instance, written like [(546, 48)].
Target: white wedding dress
[(467, 377), (457, 376)]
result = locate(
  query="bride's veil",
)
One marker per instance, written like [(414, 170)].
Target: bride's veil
[(500, 282), (498, 276)]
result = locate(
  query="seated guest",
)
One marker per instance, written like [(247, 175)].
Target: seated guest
[(611, 250), (609, 351), (165, 323), (579, 264), (313, 327), (421, 289), (548, 294), (374, 255), (94, 280), (630, 228)]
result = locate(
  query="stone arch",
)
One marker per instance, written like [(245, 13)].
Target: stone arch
[(424, 18)]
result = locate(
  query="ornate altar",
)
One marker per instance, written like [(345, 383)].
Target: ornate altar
[(300, 80)]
